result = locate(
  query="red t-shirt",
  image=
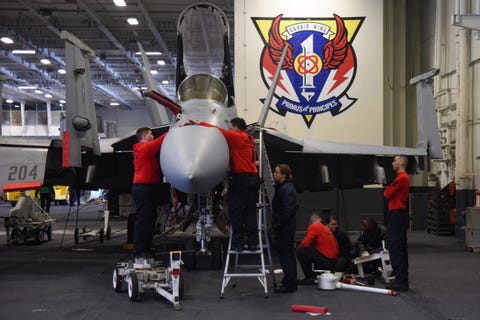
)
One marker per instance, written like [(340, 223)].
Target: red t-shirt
[(322, 238), (397, 192), (243, 152), (146, 162)]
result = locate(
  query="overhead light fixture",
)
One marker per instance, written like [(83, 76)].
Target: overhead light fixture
[(114, 104), (150, 53), (38, 91), (165, 82), (132, 21), (154, 71), (45, 61), (161, 62), (61, 71), (48, 95), (120, 3), (27, 87), (6, 40), (17, 106), (23, 51), (62, 101), (9, 101)]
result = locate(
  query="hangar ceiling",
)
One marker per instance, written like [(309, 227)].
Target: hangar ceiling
[(116, 69)]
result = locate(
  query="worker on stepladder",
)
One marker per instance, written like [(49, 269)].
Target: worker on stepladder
[(243, 183), (146, 190)]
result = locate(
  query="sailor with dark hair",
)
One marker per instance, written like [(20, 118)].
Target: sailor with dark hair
[(243, 183), (397, 194), (146, 189)]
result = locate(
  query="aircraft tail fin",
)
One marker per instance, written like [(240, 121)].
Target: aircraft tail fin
[(427, 123), (81, 126), (158, 114)]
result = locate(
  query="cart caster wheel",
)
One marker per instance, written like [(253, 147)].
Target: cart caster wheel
[(101, 234), (133, 291), (75, 236), (266, 296), (177, 307), (39, 236), (108, 233), (49, 233), (117, 280), (221, 296)]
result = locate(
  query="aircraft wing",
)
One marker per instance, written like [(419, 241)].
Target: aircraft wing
[(327, 164), (289, 144)]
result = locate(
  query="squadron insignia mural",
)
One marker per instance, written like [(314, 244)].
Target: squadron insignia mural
[(320, 65)]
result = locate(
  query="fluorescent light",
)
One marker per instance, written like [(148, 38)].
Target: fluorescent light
[(114, 104), (45, 61), (61, 71), (9, 101), (161, 62), (120, 3), (26, 87), (48, 95), (150, 53), (6, 40), (17, 106), (132, 21), (165, 82), (23, 51), (38, 91), (154, 71), (62, 101)]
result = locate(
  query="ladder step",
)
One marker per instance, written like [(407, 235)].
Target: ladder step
[(253, 266), (243, 275), (244, 252)]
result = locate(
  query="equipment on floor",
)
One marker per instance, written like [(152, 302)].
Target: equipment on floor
[(384, 256), (85, 233), (28, 220), (147, 273), (309, 309), (341, 285)]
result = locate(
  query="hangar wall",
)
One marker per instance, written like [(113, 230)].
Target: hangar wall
[(357, 87)]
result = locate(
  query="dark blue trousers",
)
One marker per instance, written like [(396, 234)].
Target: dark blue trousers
[(285, 238), (397, 245), (308, 256), (242, 200), (146, 198)]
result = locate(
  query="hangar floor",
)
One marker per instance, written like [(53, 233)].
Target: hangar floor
[(75, 282)]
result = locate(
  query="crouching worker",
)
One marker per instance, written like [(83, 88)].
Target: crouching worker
[(319, 247)]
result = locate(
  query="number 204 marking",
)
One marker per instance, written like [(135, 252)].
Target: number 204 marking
[(22, 172)]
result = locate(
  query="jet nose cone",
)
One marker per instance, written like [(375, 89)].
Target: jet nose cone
[(194, 158)]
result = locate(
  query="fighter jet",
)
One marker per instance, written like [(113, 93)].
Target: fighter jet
[(194, 159)]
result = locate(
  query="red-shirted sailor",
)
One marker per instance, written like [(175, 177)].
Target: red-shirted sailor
[(243, 183), (319, 247), (146, 189), (397, 195)]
